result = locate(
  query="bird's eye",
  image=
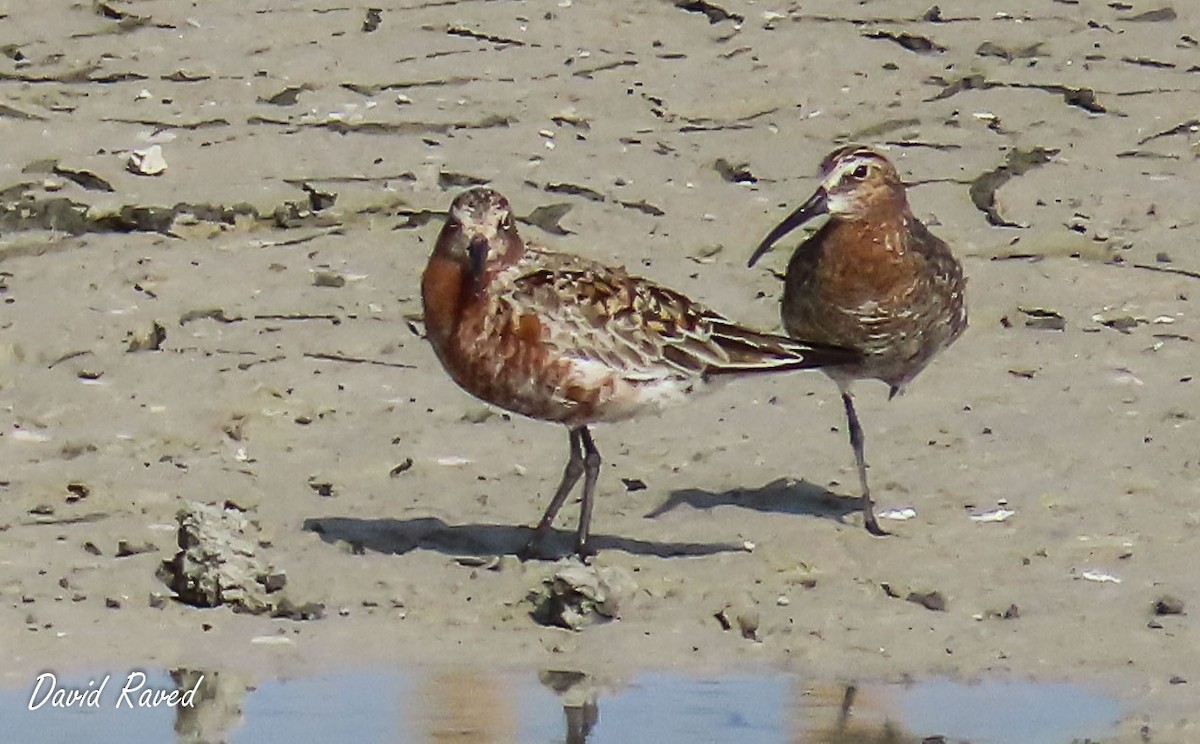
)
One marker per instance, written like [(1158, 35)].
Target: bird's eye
[(860, 171)]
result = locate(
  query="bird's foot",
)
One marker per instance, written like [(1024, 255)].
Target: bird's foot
[(873, 526), (585, 552)]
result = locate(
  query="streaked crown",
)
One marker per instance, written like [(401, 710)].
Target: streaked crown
[(857, 176), (482, 211)]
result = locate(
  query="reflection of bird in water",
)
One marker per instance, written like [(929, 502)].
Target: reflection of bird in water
[(579, 695), (216, 710), (825, 715)]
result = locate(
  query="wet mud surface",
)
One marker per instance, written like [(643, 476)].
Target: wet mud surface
[(242, 328)]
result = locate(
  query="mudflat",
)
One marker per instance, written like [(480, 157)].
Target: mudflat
[(244, 328)]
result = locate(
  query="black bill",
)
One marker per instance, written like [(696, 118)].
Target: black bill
[(815, 205), (477, 251)]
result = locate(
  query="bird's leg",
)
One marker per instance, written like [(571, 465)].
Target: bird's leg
[(570, 476), (856, 441), (591, 472)]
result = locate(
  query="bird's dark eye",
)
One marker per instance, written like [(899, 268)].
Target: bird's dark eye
[(860, 171)]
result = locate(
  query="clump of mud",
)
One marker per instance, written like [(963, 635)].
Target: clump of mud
[(578, 595), (219, 563)]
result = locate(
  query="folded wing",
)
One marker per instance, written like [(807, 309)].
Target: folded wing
[(643, 330)]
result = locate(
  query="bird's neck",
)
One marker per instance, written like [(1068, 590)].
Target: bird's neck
[(445, 290), (447, 287), (888, 207), (882, 217)]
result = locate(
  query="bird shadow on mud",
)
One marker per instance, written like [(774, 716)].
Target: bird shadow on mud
[(399, 536), (783, 495)]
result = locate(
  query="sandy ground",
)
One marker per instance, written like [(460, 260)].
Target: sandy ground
[(292, 378)]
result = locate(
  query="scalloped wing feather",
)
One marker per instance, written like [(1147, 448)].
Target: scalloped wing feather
[(641, 330)]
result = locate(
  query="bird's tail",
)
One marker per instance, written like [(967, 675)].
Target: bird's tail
[(752, 351)]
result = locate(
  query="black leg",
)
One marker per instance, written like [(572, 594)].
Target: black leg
[(581, 720), (570, 476), (856, 441), (591, 472)]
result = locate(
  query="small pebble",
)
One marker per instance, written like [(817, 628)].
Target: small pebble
[(330, 279), (403, 467), (929, 600)]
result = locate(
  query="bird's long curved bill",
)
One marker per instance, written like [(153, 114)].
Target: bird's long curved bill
[(477, 251), (815, 205)]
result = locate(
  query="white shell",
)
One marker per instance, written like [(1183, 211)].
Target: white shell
[(25, 435), (902, 514), (147, 162), (995, 515)]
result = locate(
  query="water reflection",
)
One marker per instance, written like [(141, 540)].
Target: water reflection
[(579, 695), (465, 706), (844, 715), (217, 709), (476, 707)]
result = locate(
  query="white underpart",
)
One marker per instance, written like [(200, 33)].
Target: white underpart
[(632, 392), (660, 395), (588, 373)]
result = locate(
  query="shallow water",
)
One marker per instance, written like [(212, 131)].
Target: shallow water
[(474, 707)]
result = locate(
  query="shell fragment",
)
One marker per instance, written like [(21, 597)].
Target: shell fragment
[(148, 161), (994, 515), (902, 514)]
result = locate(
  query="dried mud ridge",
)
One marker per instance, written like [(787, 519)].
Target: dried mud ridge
[(22, 207)]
